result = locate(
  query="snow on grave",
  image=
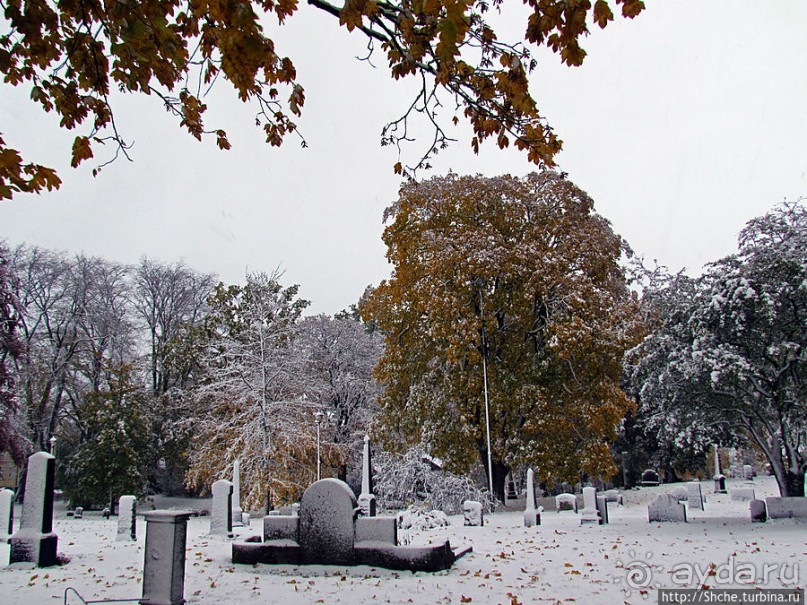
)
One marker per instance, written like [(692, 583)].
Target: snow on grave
[(329, 532), (127, 518), (666, 508)]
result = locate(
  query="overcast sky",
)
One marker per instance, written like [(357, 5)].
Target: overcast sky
[(682, 125)]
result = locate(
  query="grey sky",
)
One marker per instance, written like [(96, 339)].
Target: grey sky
[(682, 125)]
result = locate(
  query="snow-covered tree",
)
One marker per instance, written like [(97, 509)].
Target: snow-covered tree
[(341, 353), (251, 403), (733, 353), (11, 348), (518, 277)]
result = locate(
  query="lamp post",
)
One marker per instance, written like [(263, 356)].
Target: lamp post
[(318, 417), (479, 283)]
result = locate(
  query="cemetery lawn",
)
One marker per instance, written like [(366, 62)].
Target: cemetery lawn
[(556, 562)]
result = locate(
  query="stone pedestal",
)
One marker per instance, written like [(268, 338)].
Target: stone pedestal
[(164, 561), (720, 484), (532, 515), (35, 541)]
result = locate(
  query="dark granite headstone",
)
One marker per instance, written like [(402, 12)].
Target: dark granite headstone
[(759, 514), (35, 541), (327, 514)]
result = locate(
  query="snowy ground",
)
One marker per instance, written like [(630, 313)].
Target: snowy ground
[(557, 562)]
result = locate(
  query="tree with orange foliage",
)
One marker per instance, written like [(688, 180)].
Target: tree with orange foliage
[(523, 275), (73, 56)]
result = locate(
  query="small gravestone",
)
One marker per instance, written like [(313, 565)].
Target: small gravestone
[(221, 516), (666, 508), (680, 493), (6, 514), (78, 513), (327, 514), (650, 478), (472, 513), (589, 514), (602, 509), (789, 507), (694, 495), (720, 479), (759, 514), (35, 541), (612, 495), (532, 514), (566, 502), (367, 502), (164, 559), (748, 472), (106, 513), (127, 511), (742, 495)]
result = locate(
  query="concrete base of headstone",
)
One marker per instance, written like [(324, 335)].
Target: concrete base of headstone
[(32, 547), (164, 558), (472, 512), (793, 507), (666, 508), (367, 504), (742, 495), (720, 484), (759, 513)]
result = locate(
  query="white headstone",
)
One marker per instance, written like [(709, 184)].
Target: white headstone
[(589, 513), (666, 508), (472, 513), (221, 517), (238, 517), (367, 502), (6, 514), (127, 524), (532, 515), (164, 557)]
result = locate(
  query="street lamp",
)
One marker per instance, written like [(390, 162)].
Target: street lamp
[(478, 282), (318, 417)]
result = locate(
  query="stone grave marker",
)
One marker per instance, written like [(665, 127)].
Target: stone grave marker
[(694, 495), (666, 508), (35, 541), (589, 513), (602, 509), (532, 513), (78, 513), (759, 513), (680, 493), (6, 514), (367, 501), (650, 478), (221, 515), (473, 513), (237, 513), (748, 472), (566, 502), (327, 514), (127, 520)]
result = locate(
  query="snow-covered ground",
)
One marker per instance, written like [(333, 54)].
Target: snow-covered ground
[(557, 562)]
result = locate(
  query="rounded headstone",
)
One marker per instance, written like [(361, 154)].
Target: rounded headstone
[(327, 518)]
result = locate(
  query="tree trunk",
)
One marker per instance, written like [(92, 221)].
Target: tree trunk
[(793, 484), (500, 471)]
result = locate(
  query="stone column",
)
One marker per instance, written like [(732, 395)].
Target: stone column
[(237, 512), (35, 541), (164, 560), (532, 516), (221, 514), (6, 514), (367, 502), (127, 511), (625, 471)]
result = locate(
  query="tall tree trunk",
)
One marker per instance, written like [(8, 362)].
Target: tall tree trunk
[(500, 471)]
